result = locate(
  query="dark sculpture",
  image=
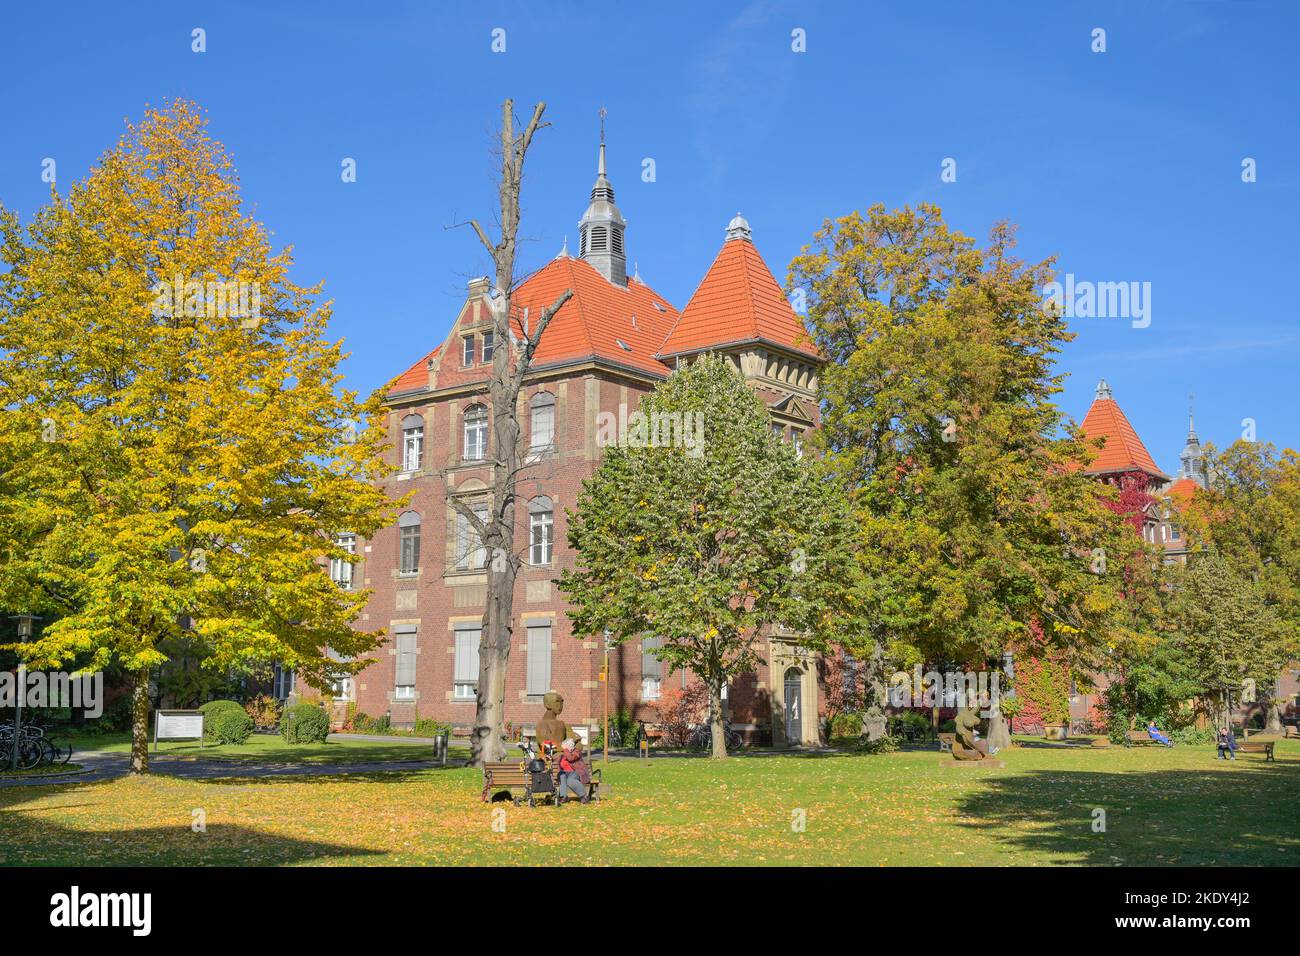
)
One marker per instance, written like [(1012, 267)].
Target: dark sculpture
[(551, 728), (965, 747)]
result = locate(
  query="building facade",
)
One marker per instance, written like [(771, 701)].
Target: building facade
[(609, 345)]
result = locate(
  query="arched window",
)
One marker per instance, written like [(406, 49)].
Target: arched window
[(412, 442), (476, 430), (541, 530), (542, 432), (408, 533)]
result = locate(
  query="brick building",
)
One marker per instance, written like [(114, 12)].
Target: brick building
[(605, 349)]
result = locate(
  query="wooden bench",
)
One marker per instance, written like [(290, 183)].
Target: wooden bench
[(512, 777), (1137, 737), (508, 775), (1291, 730), (1264, 747)]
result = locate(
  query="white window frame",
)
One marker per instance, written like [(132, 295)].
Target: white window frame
[(464, 690), (468, 351), (541, 536), (489, 345), (475, 426), (341, 569), (403, 534), (412, 448)]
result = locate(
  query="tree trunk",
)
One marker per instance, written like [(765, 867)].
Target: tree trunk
[(1274, 724), (715, 719), (140, 722), (999, 734)]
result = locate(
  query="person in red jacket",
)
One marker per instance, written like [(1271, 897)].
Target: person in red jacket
[(575, 775)]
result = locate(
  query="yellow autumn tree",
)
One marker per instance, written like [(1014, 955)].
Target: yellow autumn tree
[(177, 456)]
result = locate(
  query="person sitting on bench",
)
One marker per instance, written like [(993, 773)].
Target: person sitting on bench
[(1227, 744), (575, 775), (1157, 736)]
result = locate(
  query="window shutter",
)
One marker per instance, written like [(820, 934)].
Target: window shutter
[(651, 666), (466, 669), (539, 658)]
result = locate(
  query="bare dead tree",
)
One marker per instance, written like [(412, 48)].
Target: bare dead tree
[(520, 338)]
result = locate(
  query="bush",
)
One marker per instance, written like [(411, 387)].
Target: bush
[(213, 707), (227, 726), (365, 724), (881, 745), (304, 724), (1193, 735), (623, 729), (264, 711), (428, 727), (846, 726)]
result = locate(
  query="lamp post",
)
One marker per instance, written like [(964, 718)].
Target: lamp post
[(604, 677), (24, 635)]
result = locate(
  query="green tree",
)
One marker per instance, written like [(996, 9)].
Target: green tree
[(1250, 513), (708, 545), (180, 454), (974, 518), (1223, 626)]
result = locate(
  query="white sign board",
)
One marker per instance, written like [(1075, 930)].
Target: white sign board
[(177, 725)]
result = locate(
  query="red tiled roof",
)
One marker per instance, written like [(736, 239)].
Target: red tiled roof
[(598, 317), (1123, 450), (737, 301), (417, 376), (1182, 490)]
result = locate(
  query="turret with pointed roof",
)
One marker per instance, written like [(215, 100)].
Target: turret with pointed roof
[(1122, 450)]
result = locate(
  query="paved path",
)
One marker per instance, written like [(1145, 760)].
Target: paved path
[(98, 765)]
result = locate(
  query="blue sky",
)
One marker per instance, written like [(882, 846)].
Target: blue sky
[(1125, 164)]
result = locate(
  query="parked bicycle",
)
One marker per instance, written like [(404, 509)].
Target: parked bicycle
[(34, 748), (702, 737)]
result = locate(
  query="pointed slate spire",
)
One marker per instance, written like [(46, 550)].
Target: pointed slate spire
[(600, 232)]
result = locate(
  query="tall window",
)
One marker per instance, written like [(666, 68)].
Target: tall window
[(489, 345), (470, 552), (282, 683), (341, 568), (404, 680), (796, 437), (539, 659), (652, 670), (408, 530), (412, 442), (340, 684), (465, 670), (541, 530), (467, 351), (476, 429), (542, 433)]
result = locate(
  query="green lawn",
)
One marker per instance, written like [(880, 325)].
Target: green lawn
[(1161, 806), (270, 748)]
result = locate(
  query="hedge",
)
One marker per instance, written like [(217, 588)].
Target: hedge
[(305, 724)]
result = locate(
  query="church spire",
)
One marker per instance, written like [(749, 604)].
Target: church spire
[(1193, 457), (600, 232)]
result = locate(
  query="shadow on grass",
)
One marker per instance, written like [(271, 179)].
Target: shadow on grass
[(29, 838), (1245, 814)]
